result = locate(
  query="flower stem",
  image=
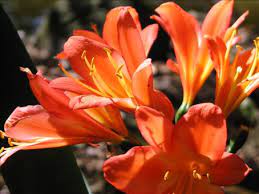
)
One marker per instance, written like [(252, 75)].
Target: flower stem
[(236, 143), (181, 111)]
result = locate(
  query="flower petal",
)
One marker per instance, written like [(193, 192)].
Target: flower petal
[(89, 101), (139, 171), (218, 19), (57, 103), (229, 170), (154, 127), (88, 34), (203, 130), (33, 123), (131, 45), (186, 47), (103, 72), (148, 36), (109, 116), (161, 103), (142, 83), (68, 84), (110, 30)]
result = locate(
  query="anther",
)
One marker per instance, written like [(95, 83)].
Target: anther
[(1, 150), (118, 71), (10, 142), (166, 175), (196, 175), (92, 69), (83, 54), (2, 136), (208, 177), (108, 51)]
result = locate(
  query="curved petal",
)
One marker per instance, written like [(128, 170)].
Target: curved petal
[(90, 60), (203, 130), (89, 101), (109, 116), (139, 171), (31, 127), (142, 83), (68, 84), (229, 170), (88, 34), (35, 124), (218, 19), (154, 127), (110, 30), (57, 103), (131, 45), (161, 103), (186, 47), (148, 36)]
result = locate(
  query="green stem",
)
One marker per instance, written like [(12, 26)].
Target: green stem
[(236, 143), (181, 111)]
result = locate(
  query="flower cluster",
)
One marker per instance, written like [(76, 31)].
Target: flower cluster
[(114, 74)]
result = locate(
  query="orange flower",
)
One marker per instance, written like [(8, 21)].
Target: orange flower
[(186, 158), (115, 68), (54, 124), (236, 81), (193, 60)]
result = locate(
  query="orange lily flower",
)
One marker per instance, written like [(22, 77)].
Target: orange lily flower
[(55, 124), (237, 80), (115, 69), (193, 60), (186, 158)]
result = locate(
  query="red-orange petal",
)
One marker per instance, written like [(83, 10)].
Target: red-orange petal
[(89, 101), (68, 84), (218, 19), (88, 34), (96, 51), (186, 47), (139, 171), (161, 103), (57, 103), (229, 170), (203, 130), (131, 45), (148, 36), (154, 127), (110, 30), (142, 83), (33, 123)]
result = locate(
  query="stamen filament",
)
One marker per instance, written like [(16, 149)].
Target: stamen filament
[(78, 81)]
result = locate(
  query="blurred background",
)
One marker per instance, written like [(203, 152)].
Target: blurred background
[(44, 26)]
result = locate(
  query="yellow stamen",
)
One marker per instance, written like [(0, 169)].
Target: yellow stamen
[(78, 81), (119, 74), (255, 61), (10, 142), (118, 71), (2, 135), (1, 150), (166, 175), (238, 71), (196, 175), (229, 45), (208, 177)]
